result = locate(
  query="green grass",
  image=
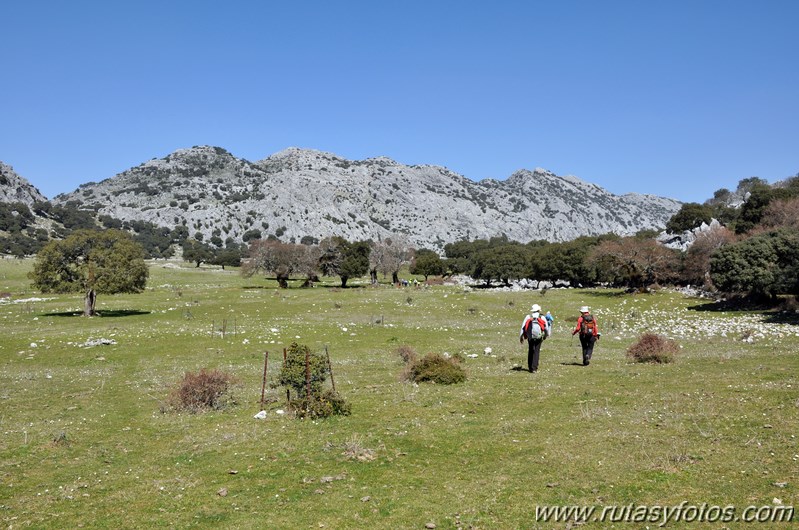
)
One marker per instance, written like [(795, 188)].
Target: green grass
[(83, 441)]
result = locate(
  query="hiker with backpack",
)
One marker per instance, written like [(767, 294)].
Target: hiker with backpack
[(550, 319), (589, 333), (534, 329)]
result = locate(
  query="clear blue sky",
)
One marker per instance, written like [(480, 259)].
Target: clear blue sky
[(674, 98)]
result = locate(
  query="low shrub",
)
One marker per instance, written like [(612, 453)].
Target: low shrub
[(652, 348), (407, 354), (436, 368), (329, 403), (203, 390)]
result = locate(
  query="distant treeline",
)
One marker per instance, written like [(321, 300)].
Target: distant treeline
[(755, 251)]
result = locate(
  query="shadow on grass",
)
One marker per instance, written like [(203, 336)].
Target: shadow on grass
[(783, 317), (607, 293), (519, 369), (573, 363), (770, 315), (108, 313)]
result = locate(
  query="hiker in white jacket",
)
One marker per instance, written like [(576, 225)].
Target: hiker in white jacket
[(534, 329)]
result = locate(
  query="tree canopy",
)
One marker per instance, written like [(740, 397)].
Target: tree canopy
[(106, 262)]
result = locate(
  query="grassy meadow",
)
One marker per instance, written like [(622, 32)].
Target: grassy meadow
[(84, 442)]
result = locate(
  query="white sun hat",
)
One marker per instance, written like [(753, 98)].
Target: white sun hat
[(535, 308), (584, 309)]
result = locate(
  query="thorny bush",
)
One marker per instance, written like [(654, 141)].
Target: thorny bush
[(652, 348), (203, 390)]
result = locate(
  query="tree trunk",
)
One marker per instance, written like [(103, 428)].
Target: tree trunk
[(373, 275), (88, 303), (283, 281), (344, 281), (395, 277)]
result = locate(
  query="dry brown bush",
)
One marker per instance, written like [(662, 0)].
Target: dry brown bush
[(407, 354), (652, 348), (208, 389)]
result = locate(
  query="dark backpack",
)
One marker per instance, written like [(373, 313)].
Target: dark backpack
[(534, 331), (588, 325)]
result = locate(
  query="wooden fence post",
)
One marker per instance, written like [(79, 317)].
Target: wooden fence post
[(263, 385), (307, 373), (288, 390), (330, 369)]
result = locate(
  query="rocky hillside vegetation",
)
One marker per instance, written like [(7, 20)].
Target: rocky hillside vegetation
[(300, 195)]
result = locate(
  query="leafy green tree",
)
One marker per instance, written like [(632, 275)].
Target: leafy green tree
[(752, 210), (689, 216), (355, 261), (427, 263), (565, 261), (91, 261), (197, 252), (227, 257), (462, 255), (505, 262), (339, 257), (761, 266)]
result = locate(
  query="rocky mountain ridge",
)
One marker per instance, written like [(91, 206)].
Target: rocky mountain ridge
[(302, 194), (14, 188)]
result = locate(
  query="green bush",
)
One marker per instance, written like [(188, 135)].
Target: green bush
[(327, 404), (652, 348), (203, 390), (293, 373), (436, 368), (320, 403)]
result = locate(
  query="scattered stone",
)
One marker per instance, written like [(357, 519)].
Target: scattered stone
[(552, 485), (325, 480), (261, 415), (222, 492), (366, 499), (97, 342), (430, 525), (781, 484), (319, 492), (232, 472)]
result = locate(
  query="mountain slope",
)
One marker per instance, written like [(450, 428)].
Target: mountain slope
[(14, 188), (300, 193)]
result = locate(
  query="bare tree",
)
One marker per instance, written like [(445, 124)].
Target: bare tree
[(308, 263), (275, 257), (635, 262), (781, 213), (696, 261), (392, 254)]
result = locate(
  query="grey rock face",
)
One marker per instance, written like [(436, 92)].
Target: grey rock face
[(14, 188), (300, 193), (684, 241)]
